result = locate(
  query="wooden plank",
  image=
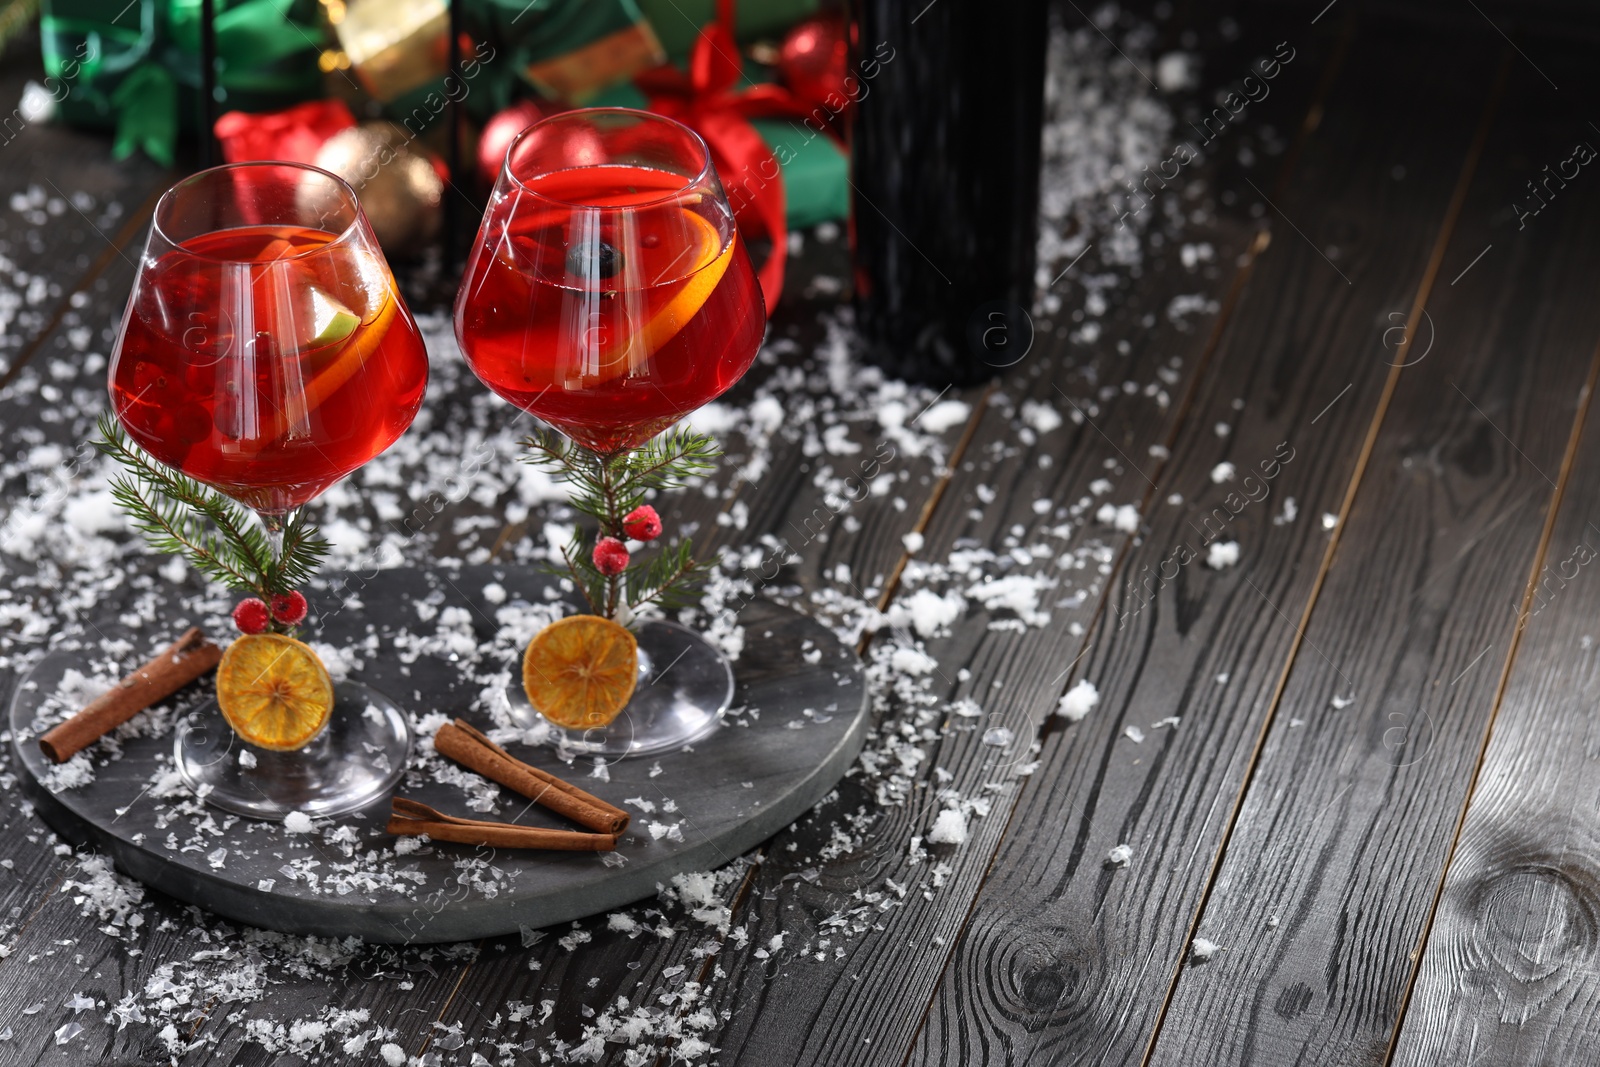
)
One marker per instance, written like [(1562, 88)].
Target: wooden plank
[(864, 928), (67, 211), (1510, 972), (220, 976), (874, 992), (1066, 953), (572, 983), (1328, 878), (66, 957)]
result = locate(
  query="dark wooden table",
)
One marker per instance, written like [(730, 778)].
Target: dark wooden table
[(1379, 800)]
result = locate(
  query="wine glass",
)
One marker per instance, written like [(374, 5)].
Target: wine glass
[(266, 352), (610, 294)]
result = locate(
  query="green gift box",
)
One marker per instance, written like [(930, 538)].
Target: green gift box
[(816, 172), (677, 22), (135, 66)]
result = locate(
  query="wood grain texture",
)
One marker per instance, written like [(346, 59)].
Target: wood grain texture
[(1326, 885), (832, 996), (1511, 969), (1067, 956), (1063, 959), (67, 211)]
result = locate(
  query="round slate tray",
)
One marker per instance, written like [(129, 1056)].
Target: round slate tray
[(795, 728)]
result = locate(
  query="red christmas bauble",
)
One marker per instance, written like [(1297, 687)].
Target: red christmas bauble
[(500, 131), (813, 59)]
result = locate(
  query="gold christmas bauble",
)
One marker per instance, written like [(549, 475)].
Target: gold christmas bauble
[(394, 179)]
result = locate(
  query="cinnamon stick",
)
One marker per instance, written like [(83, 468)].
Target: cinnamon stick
[(411, 817), (173, 667), (467, 746)]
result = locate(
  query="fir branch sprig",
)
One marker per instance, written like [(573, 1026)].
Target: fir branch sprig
[(667, 580), (607, 488), (217, 536)]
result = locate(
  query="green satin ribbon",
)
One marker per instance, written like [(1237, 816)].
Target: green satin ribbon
[(146, 104)]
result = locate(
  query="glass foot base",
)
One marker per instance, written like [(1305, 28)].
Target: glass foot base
[(357, 758), (685, 685)]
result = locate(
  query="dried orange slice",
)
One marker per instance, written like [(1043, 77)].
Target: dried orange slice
[(580, 671), (274, 691)]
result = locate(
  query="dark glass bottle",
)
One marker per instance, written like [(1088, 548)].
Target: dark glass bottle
[(945, 167)]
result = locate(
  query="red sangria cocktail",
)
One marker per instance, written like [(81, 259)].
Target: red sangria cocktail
[(603, 303), (267, 361), (609, 294), (265, 354)]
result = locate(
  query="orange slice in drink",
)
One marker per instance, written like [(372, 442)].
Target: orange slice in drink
[(274, 691), (580, 671), (343, 341), (709, 259), (705, 260)]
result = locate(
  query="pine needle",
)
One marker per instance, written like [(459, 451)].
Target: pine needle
[(607, 488), (217, 536)]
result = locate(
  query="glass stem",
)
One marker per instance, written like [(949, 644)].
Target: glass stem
[(274, 525), (613, 525)]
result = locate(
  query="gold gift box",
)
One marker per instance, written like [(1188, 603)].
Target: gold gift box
[(395, 46)]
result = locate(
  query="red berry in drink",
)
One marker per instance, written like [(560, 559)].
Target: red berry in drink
[(289, 608), (642, 523), (610, 556), (250, 615)]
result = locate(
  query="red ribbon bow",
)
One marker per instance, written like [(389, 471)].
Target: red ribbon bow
[(295, 133), (706, 101)]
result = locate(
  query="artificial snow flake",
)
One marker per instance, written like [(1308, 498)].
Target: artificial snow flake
[(298, 822), (1220, 554), (1078, 701), (1124, 518), (944, 415), (950, 828)]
